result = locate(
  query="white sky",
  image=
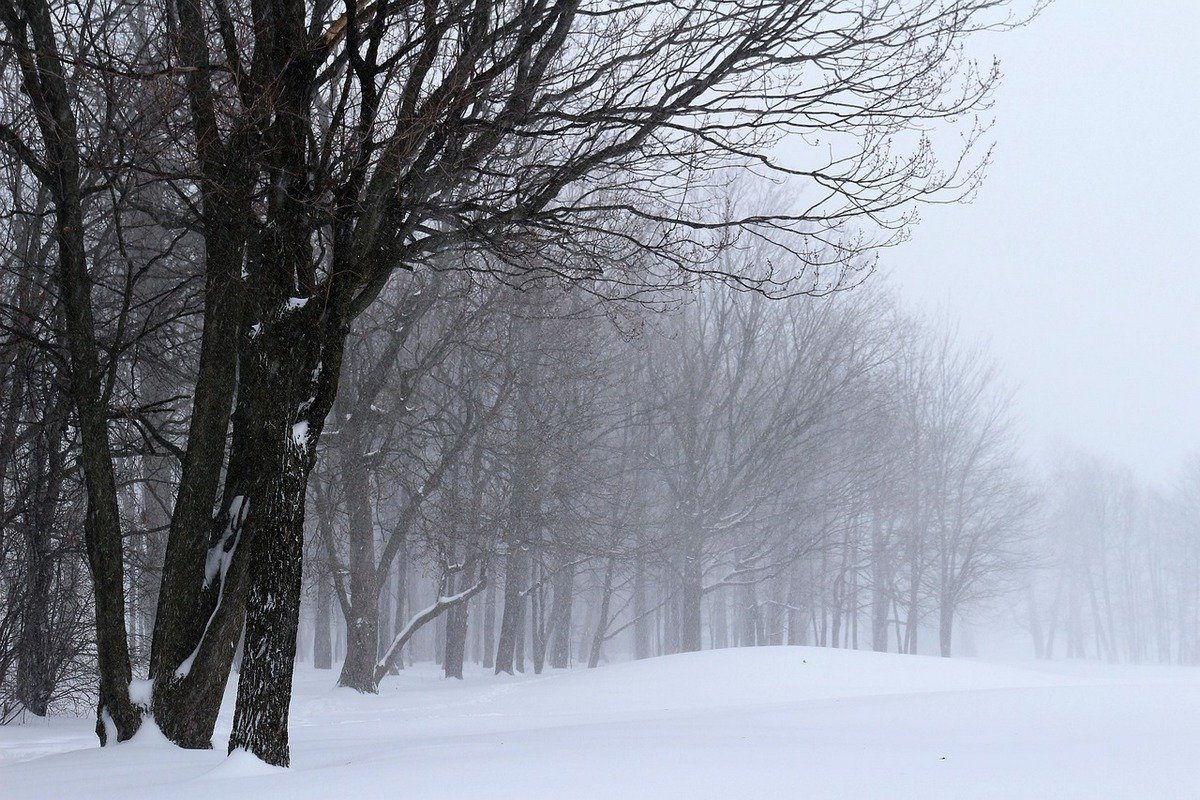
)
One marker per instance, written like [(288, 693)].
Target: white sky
[(1077, 260)]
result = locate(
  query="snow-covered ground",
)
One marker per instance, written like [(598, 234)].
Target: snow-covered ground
[(748, 723)]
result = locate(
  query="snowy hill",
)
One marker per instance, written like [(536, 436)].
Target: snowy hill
[(745, 723)]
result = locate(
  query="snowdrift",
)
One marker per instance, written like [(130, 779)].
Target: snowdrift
[(745, 723)]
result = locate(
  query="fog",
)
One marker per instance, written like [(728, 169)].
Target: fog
[(1076, 261), (599, 399)]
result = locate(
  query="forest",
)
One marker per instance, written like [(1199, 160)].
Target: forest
[(512, 336)]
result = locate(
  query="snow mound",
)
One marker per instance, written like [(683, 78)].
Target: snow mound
[(242, 763), (744, 723)]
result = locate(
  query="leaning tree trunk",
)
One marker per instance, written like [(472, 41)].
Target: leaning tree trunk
[(187, 696)]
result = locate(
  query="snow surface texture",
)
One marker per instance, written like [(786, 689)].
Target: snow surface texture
[(747, 723)]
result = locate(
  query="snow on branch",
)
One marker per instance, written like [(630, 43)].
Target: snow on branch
[(419, 620)]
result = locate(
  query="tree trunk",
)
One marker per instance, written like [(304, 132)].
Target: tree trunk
[(186, 600), (747, 618), (719, 621), (511, 618), (879, 588), (45, 82), (691, 619), (945, 626), (322, 644), (489, 627), (602, 616), (362, 623), (37, 664), (400, 612), (291, 368), (260, 723), (560, 617), (456, 627), (641, 625)]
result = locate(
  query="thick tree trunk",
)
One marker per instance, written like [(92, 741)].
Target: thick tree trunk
[(522, 634), (187, 602), (538, 625), (292, 370), (260, 723), (188, 696), (184, 605)]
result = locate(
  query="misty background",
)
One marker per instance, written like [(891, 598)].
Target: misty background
[(1076, 260)]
